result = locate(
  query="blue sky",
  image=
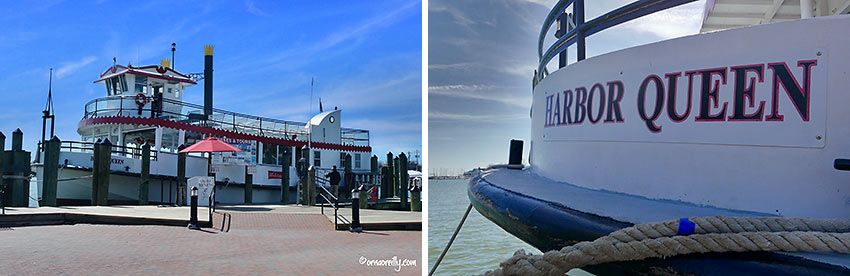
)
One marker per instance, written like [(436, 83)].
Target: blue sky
[(364, 55), (481, 56)]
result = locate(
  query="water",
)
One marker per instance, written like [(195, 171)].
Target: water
[(481, 244)]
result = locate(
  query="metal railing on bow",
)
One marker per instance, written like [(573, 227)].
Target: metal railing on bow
[(572, 28)]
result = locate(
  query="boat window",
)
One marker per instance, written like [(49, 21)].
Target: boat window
[(141, 83), (115, 82), (123, 82), (270, 154), (317, 158), (356, 160), (108, 87), (170, 139), (137, 138)]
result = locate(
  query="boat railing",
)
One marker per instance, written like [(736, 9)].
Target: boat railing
[(572, 28), (125, 105), (88, 147)]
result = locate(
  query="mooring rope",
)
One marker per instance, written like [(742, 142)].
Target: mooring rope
[(686, 236), (443, 254)]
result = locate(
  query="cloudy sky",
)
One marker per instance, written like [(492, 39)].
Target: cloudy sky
[(481, 57), (365, 56)]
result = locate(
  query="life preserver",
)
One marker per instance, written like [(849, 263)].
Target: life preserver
[(141, 99)]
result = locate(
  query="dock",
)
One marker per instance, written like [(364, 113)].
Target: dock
[(179, 216), (120, 215), (369, 219)]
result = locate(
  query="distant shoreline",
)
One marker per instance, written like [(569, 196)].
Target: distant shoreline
[(444, 177)]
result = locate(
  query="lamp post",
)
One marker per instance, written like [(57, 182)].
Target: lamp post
[(193, 213)]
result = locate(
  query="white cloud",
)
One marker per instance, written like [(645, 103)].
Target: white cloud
[(670, 23), (70, 67), (253, 9), (474, 117), (478, 92), (386, 126), (460, 66)]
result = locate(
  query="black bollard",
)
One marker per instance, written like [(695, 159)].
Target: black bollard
[(515, 155), (193, 212), (355, 214)]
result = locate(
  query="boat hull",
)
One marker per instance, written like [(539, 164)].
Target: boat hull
[(75, 189), (746, 119), (524, 205)]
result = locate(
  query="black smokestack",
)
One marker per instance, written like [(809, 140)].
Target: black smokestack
[(208, 81)]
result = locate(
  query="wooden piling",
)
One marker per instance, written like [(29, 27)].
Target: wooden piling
[(373, 163), (403, 179), (284, 180), (390, 176), (181, 176), (310, 192), (348, 177), (100, 173), (386, 192), (16, 171), (50, 172), (144, 179), (249, 186), (396, 178)]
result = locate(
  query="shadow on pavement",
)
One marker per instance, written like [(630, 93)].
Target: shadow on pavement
[(374, 233), (245, 209)]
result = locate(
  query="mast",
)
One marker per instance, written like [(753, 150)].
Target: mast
[(47, 113), (173, 45)]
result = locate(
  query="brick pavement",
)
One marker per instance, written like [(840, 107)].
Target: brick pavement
[(257, 244)]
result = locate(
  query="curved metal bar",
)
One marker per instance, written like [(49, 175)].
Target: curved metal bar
[(553, 15), (621, 15)]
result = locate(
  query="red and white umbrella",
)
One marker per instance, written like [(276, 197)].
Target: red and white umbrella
[(211, 144)]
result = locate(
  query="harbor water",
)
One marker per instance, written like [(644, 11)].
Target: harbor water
[(481, 244)]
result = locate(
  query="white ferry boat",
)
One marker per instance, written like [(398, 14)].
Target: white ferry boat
[(144, 105), (747, 119)]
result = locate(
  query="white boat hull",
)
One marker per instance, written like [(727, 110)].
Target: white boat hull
[(769, 151)]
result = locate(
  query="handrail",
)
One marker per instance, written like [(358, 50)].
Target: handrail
[(584, 29), (335, 204)]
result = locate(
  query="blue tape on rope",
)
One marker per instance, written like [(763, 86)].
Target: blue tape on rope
[(686, 227)]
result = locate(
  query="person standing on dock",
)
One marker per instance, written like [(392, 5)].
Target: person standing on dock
[(334, 178)]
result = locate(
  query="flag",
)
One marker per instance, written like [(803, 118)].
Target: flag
[(320, 105)]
